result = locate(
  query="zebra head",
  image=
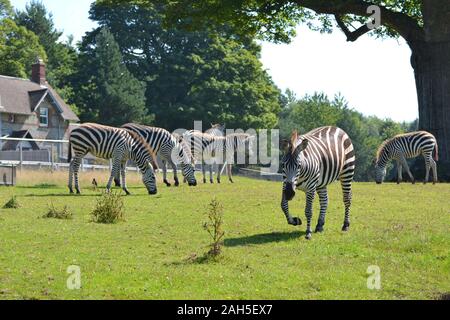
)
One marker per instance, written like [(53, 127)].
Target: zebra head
[(149, 179), (380, 173), (186, 160), (291, 164)]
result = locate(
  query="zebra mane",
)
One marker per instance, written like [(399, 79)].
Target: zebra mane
[(387, 141), (142, 141)]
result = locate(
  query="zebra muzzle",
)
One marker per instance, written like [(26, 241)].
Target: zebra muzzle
[(289, 193)]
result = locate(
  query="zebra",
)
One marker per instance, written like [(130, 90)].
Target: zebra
[(405, 146), (313, 161), (217, 130), (216, 149), (169, 148), (109, 142)]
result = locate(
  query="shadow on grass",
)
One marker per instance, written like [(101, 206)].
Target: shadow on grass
[(263, 238)]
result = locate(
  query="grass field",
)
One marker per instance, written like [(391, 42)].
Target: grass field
[(155, 253)]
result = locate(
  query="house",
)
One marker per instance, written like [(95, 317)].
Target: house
[(32, 109)]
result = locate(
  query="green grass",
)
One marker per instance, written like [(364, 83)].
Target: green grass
[(155, 253)]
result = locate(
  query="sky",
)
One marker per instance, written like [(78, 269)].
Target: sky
[(374, 76)]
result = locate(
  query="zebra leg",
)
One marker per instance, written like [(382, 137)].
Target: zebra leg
[(434, 168), (323, 197), (219, 172), (117, 182), (230, 173), (310, 194), (211, 176), (399, 172), (175, 173), (428, 160), (347, 192), (405, 164), (70, 177), (76, 167), (204, 171), (124, 182), (285, 207), (164, 169)]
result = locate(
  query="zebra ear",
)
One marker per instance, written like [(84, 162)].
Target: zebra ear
[(302, 146), (294, 137), (285, 145)]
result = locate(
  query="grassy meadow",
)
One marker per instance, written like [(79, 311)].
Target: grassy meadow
[(156, 253)]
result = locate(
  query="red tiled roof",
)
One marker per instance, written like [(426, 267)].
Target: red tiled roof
[(21, 96)]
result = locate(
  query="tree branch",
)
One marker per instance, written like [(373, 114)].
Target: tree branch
[(351, 35), (406, 26)]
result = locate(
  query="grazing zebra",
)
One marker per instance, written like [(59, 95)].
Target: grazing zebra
[(118, 144), (405, 146), (312, 162), (169, 149), (206, 147)]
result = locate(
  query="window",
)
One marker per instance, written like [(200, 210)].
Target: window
[(43, 117)]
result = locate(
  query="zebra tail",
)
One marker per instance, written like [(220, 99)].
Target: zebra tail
[(436, 153), (69, 157)]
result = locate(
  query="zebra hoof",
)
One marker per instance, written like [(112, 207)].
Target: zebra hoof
[(177, 184), (78, 192), (345, 228), (296, 221), (308, 236), (319, 229), (204, 181)]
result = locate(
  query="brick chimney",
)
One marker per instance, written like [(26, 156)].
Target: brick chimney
[(38, 72)]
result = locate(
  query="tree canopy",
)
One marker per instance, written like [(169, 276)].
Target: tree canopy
[(208, 75), (107, 92), (19, 48)]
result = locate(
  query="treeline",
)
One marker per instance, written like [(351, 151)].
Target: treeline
[(133, 68), (367, 133)]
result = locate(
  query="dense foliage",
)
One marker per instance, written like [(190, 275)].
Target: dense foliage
[(367, 133)]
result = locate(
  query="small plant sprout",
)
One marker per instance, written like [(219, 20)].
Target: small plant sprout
[(56, 213), (109, 208), (214, 227), (12, 203)]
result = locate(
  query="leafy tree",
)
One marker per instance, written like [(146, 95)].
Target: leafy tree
[(208, 75), (424, 24), (62, 56), (106, 91), (5, 9), (19, 48)]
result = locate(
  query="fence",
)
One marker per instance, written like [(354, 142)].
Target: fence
[(43, 153)]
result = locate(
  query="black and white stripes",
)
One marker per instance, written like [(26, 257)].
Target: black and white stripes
[(405, 146), (313, 161), (111, 143), (169, 149)]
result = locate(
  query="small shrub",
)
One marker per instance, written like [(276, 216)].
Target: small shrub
[(214, 227), (108, 209), (55, 213), (12, 203)]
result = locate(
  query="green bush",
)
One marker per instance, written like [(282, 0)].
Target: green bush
[(214, 227), (108, 209), (55, 213), (12, 204)]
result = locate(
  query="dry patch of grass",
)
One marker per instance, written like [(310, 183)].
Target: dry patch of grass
[(109, 208), (58, 213), (12, 203)]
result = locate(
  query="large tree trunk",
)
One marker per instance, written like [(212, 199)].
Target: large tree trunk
[(431, 63)]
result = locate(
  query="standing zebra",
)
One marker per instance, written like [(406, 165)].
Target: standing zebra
[(312, 162), (118, 144), (169, 149), (206, 147), (217, 130), (405, 146)]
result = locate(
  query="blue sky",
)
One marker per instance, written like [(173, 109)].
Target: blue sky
[(375, 76)]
